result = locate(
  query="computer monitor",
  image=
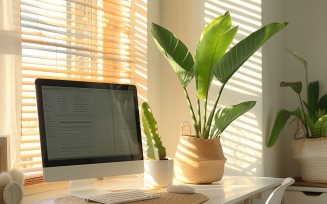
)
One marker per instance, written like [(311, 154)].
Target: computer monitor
[(88, 130)]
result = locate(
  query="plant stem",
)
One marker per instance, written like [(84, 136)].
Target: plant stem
[(192, 112), (203, 135), (208, 126), (304, 118), (307, 82), (199, 116), (204, 119), (199, 124)]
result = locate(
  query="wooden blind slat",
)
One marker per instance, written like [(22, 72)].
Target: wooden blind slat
[(26, 34), (30, 163), (61, 26), (31, 141), (78, 53), (88, 72), (29, 148), (22, 156), (112, 38), (78, 40), (119, 10)]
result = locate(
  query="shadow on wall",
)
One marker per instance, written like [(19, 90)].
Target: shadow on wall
[(242, 141)]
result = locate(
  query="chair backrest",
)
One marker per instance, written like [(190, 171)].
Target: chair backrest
[(277, 195)]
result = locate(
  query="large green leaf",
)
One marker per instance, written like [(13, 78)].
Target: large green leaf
[(312, 116), (323, 103), (213, 23), (227, 115), (313, 97), (310, 123), (235, 57), (320, 127), (175, 52), (213, 43), (280, 121), (298, 57), (296, 86)]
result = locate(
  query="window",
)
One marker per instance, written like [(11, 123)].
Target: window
[(91, 40)]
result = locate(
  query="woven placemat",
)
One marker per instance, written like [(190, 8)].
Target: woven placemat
[(165, 198)]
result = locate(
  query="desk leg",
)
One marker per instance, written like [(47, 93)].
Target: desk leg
[(250, 200)]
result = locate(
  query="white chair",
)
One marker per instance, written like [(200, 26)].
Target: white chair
[(277, 195)]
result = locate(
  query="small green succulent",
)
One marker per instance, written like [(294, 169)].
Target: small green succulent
[(156, 150)]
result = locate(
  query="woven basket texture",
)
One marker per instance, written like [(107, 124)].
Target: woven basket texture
[(312, 156), (199, 160)]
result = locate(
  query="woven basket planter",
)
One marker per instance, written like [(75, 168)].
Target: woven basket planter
[(199, 161), (312, 156)]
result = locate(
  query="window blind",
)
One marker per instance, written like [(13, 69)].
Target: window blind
[(88, 40)]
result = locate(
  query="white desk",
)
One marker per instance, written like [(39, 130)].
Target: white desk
[(305, 194), (236, 189), (231, 189)]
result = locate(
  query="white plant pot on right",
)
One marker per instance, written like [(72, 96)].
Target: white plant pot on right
[(158, 173), (312, 156)]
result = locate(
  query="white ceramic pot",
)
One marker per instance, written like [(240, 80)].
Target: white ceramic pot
[(158, 173)]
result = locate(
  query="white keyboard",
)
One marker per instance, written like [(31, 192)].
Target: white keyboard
[(122, 197)]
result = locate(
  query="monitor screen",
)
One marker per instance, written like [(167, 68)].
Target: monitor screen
[(88, 129)]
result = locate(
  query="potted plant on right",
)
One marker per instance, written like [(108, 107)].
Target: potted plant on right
[(310, 140), (159, 170)]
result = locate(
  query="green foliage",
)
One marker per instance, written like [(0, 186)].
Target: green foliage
[(227, 115), (156, 150), (312, 113), (296, 86), (213, 44), (280, 121), (320, 127), (176, 53), (212, 60)]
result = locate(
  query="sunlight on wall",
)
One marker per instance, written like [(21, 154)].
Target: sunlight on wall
[(140, 37), (242, 141), (78, 46), (139, 77)]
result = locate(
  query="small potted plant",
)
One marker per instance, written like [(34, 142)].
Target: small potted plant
[(202, 152), (310, 140), (159, 170)]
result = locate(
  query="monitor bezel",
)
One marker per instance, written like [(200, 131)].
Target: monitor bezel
[(81, 84)]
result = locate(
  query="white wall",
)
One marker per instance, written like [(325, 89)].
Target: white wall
[(273, 63), (242, 142), (305, 34), (154, 59)]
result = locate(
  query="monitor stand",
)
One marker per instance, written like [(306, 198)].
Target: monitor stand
[(84, 188)]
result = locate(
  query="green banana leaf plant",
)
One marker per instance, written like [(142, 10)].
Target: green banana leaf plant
[(312, 113), (212, 60), (156, 150)]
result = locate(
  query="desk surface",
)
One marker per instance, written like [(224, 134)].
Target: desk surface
[(231, 189), (301, 185)]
